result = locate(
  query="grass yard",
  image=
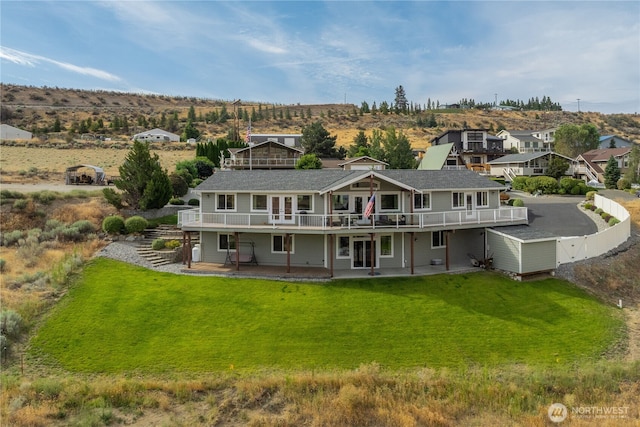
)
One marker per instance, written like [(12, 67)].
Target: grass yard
[(119, 318)]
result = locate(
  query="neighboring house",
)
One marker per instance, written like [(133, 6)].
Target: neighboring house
[(439, 157), (8, 132), (363, 163), (612, 141), (154, 135), (591, 165), (475, 146), (527, 141), (526, 164), (264, 155), (288, 139), (318, 218)]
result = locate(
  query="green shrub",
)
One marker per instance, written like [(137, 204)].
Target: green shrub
[(623, 184), (587, 206), (176, 201), (605, 216), (45, 197), (84, 226), (5, 346), (576, 190), (10, 324), (519, 183), (3, 265), (598, 211), (12, 237), (544, 184), (196, 182), (113, 224), (135, 224), (194, 202), (20, 204), (613, 221), (518, 203), (172, 244), (113, 198), (158, 244), (52, 224)]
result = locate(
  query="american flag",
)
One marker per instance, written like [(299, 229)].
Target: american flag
[(248, 137), (369, 209)]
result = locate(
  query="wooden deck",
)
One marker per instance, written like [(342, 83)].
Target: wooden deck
[(248, 270)]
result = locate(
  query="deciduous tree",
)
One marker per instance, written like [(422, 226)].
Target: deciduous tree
[(572, 140)]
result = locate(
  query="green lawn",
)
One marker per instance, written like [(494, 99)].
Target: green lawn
[(121, 318)]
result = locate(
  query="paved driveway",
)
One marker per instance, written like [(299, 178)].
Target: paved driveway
[(559, 215)]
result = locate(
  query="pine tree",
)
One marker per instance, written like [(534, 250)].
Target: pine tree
[(401, 100), (143, 182), (611, 173)]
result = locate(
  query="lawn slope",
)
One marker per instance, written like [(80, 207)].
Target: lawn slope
[(119, 318)]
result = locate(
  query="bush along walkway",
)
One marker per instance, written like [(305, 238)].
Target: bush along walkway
[(155, 247)]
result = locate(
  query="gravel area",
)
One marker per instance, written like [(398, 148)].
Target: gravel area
[(127, 252)]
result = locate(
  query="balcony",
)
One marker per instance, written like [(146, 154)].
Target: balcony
[(261, 163), (194, 220)]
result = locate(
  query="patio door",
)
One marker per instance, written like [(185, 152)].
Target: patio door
[(469, 199), (362, 248), (281, 210), (359, 206)]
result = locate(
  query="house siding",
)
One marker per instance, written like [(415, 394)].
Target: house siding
[(505, 250)]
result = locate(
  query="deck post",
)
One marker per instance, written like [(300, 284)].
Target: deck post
[(236, 236), (413, 237)]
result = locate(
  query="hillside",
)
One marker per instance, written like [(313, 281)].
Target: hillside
[(37, 109)]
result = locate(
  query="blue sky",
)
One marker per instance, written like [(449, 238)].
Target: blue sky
[(313, 52)]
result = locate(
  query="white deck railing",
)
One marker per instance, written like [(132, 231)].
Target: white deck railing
[(194, 218)]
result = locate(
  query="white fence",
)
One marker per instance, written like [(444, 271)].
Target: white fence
[(570, 249)]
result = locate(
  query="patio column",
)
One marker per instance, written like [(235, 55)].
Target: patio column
[(413, 238), (446, 249), (236, 236), (287, 239), (331, 253)]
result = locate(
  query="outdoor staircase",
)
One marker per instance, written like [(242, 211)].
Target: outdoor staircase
[(163, 231)]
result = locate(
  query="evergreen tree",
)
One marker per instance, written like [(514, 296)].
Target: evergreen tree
[(611, 173), (191, 115), (143, 182), (56, 125), (376, 150), (401, 100), (189, 131), (398, 150), (360, 146), (557, 167), (633, 172), (317, 140)]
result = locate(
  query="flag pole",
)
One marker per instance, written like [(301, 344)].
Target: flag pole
[(371, 244)]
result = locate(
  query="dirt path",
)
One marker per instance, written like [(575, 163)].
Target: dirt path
[(633, 329)]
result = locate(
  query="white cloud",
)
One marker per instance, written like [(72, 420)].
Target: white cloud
[(30, 60)]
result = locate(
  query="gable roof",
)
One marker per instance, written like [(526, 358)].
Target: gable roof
[(603, 154), (363, 159), (524, 157), (324, 180), (260, 144), (435, 157)]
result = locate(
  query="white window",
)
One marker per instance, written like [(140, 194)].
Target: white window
[(386, 246), (422, 201), (226, 242), (389, 202), (457, 200), (342, 249), (279, 243), (340, 202), (305, 202), (226, 202), (259, 202), (482, 199), (438, 239)]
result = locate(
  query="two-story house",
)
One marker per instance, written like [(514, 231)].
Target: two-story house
[(475, 147), (527, 141), (264, 155), (591, 165), (346, 219)]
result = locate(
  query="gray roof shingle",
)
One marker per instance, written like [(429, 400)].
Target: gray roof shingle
[(322, 180)]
